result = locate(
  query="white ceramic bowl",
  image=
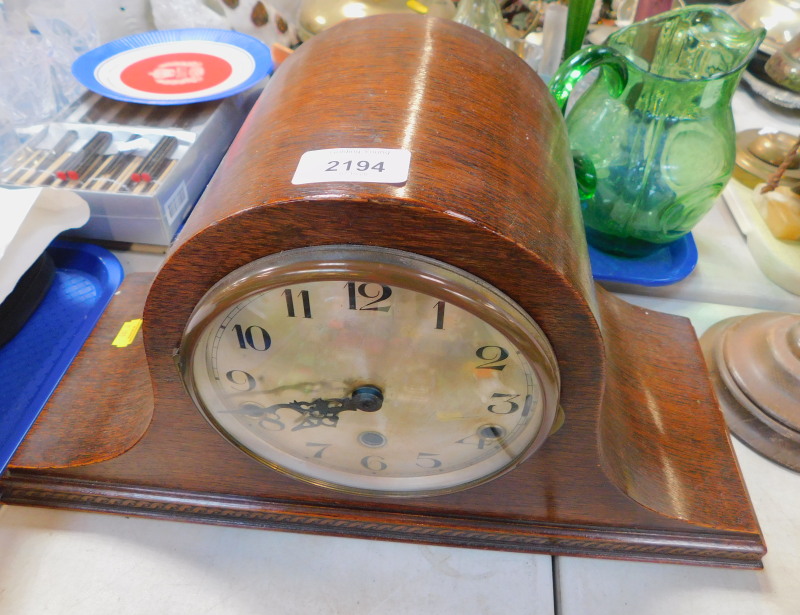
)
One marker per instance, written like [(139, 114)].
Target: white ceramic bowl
[(780, 18)]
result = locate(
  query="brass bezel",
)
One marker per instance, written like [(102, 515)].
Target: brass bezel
[(396, 268)]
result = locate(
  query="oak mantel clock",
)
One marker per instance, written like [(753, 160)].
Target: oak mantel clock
[(380, 321)]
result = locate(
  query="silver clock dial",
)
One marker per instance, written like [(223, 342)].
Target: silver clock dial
[(370, 370)]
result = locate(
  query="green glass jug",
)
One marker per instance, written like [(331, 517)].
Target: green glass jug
[(653, 138)]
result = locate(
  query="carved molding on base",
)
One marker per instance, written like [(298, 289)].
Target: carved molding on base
[(711, 549)]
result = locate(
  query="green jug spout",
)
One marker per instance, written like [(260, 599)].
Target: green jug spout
[(689, 44)]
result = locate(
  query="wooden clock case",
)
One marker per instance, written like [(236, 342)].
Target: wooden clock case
[(642, 467)]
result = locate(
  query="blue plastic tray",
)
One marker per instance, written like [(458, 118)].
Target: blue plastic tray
[(34, 361), (667, 265)]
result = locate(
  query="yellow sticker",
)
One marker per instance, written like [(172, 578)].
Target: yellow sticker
[(417, 6), (127, 333)]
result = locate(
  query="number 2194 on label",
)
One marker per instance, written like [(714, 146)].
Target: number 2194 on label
[(374, 165)]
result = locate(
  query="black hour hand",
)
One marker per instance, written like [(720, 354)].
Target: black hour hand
[(365, 398)]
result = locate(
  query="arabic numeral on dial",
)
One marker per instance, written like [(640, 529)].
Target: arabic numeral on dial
[(241, 380), (494, 357), (306, 302), (268, 418), (374, 463), (376, 292), (252, 337), (428, 461), (488, 434), (271, 422), (439, 314), (508, 405), (473, 440), (320, 448)]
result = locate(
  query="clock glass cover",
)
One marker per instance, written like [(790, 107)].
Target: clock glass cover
[(370, 370)]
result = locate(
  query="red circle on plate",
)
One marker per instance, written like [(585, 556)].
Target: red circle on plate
[(176, 73)]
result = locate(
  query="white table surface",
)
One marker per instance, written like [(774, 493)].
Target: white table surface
[(69, 563), (613, 588), (64, 563)]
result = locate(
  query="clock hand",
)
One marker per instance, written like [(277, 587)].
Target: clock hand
[(366, 398)]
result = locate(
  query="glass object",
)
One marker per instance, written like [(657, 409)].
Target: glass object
[(554, 35), (484, 15), (318, 15), (780, 18), (370, 370), (784, 65), (653, 137), (487, 17)]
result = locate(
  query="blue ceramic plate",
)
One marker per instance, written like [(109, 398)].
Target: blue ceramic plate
[(669, 264), (175, 67)]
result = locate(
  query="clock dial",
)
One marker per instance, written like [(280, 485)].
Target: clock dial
[(370, 370)]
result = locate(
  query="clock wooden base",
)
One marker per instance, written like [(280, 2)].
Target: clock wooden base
[(665, 487)]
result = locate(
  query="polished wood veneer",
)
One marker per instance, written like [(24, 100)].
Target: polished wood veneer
[(642, 467)]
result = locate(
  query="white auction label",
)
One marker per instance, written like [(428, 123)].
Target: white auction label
[(348, 164)]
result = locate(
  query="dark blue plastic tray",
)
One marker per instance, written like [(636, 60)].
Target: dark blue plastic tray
[(667, 265), (34, 361)]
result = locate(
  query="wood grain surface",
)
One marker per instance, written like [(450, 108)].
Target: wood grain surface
[(105, 406)]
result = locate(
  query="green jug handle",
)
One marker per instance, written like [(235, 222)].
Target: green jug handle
[(564, 81)]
